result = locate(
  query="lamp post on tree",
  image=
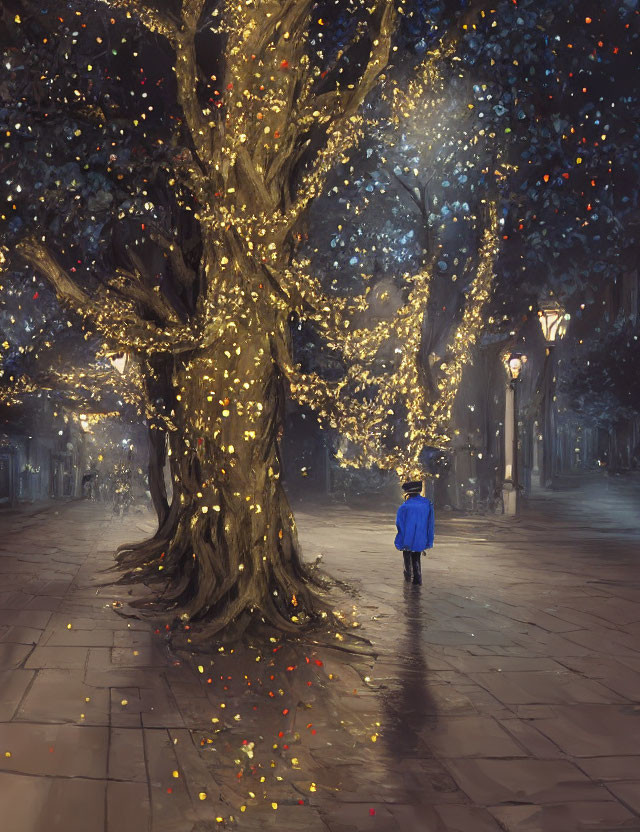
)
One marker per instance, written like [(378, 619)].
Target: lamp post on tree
[(514, 363), (553, 322)]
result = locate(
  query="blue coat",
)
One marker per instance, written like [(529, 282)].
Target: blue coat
[(415, 523)]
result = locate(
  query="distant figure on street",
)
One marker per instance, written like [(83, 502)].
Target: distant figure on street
[(90, 487), (415, 524)]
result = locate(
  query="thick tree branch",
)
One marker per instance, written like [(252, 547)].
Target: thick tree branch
[(145, 289), (115, 318), (187, 81), (247, 169), (156, 22), (83, 389), (181, 35), (185, 275), (381, 28), (419, 199), (341, 107)]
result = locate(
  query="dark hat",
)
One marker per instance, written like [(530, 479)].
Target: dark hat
[(414, 487)]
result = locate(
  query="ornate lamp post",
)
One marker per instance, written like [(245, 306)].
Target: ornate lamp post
[(553, 321), (514, 363)]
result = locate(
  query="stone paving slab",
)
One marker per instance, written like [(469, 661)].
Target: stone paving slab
[(53, 750), (588, 730), (610, 672), (610, 768), (66, 637), (171, 804), (126, 755), (499, 664), (629, 661), (579, 817), (51, 803), (58, 657), (128, 808), (489, 781), (13, 685), (20, 635), (607, 642), (530, 739), (546, 687), (13, 656), (62, 696), (474, 736), (628, 793)]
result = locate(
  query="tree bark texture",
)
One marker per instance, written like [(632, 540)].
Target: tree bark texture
[(157, 460), (227, 548)]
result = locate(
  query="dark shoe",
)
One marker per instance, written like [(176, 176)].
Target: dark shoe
[(417, 581)]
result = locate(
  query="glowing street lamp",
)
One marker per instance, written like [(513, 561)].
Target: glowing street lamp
[(553, 320), (514, 363)]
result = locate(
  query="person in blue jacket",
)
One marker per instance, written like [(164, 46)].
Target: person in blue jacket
[(415, 524)]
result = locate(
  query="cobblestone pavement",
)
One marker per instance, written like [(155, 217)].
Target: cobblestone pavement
[(505, 694)]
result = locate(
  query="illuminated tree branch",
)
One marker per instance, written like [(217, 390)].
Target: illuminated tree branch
[(184, 274), (114, 317), (359, 404), (340, 108), (186, 69), (131, 287), (465, 336), (159, 24), (84, 388)]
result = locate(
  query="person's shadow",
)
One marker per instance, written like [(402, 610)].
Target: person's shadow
[(408, 706)]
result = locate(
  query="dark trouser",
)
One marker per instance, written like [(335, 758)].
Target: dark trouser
[(412, 563)]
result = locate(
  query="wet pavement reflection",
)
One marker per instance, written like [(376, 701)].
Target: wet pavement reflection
[(409, 707)]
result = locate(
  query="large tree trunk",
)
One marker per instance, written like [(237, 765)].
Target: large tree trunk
[(157, 460), (227, 550)]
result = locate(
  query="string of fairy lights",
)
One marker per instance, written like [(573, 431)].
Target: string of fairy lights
[(83, 388), (366, 423)]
